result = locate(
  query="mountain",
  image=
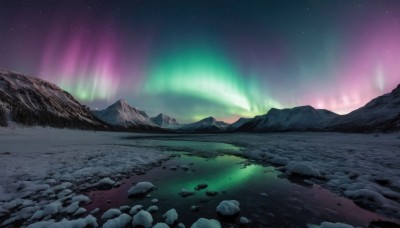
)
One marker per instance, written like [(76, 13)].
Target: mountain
[(380, 114), (303, 118), (238, 123), (208, 124), (32, 101), (165, 121), (121, 115)]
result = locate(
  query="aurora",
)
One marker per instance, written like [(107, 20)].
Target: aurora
[(194, 59)]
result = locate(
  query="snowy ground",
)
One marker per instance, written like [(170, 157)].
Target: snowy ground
[(42, 169), (363, 167)]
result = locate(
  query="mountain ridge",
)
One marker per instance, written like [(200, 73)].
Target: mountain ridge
[(121, 115), (33, 101)]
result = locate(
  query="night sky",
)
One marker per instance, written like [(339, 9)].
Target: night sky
[(193, 59)]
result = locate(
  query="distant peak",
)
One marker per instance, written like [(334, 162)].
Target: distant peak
[(210, 118), (121, 101), (396, 90)]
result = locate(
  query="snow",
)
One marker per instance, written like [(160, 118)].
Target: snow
[(142, 218), (123, 115), (228, 207), (334, 225), (106, 182), (135, 209), (46, 167), (121, 221), (160, 225), (152, 209), (171, 216), (302, 168), (140, 188), (111, 213), (206, 223), (206, 124), (289, 119), (82, 222), (244, 221), (165, 121)]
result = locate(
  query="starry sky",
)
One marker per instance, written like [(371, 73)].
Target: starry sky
[(199, 58)]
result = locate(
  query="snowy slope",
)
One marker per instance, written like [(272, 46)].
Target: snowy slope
[(165, 121), (34, 101), (209, 124), (381, 113), (238, 123), (301, 118), (121, 114)]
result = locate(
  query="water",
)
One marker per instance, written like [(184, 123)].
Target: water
[(264, 198)]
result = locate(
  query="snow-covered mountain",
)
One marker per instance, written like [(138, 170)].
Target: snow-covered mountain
[(301, 118), (380, 114), (32, 101), (165, 121), (121, 114), (209, 124), (238, 123)]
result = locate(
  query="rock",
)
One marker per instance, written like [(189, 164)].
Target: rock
[(152, 209), (206, 223), (195, 208), (142, 218), (185, 193), (111, 213), (228, 207), (211, 193), (124, 208), (170, 217), (200, 187), (135, 209), (160, 225), (244, 220), (140, 189), (105, 183), (121, 221)]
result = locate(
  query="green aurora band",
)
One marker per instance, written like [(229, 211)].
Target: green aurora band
[(206, 73)]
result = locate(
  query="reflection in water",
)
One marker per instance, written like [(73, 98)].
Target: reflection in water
[(265, 199)]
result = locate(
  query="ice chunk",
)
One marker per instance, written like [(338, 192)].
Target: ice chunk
[(111, 213), (105, 183), (206, 223), (152, 209), (160, 225), (185, 193), (334, 225), (302, 168), (135, 209), (170, 217), (80, 211), (121, 221), (82, 222), (71, 208), (140, 188), (244, 221), (228, 207), (80, 199), (124, 208), (142, 218), (279, 160), (95, 211)]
